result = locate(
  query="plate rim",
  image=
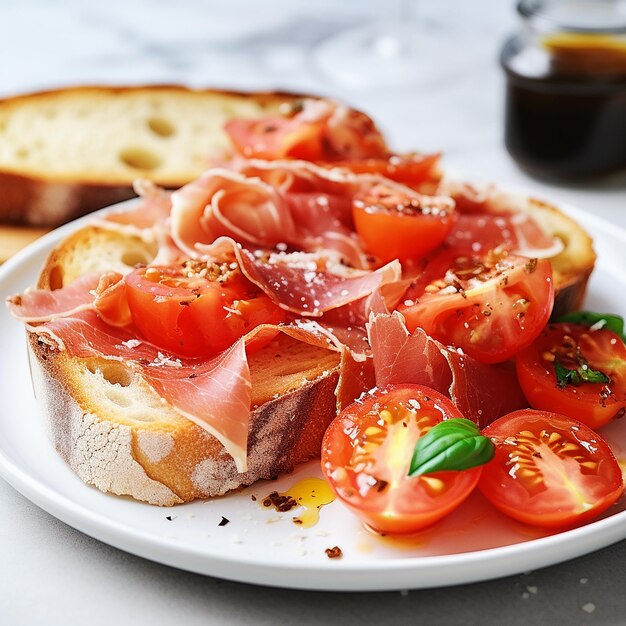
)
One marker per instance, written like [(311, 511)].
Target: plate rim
[(505, 560)]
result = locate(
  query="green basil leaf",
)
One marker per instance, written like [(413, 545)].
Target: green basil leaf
[(565, 376), (589, 375), (589, 318), (583, 374), (454, 444)]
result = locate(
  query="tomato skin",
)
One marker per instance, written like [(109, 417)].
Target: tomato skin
[(393, 226), (490, 310), (197, 316), (365, 459), (594, 404), (275, 138), (536, 476)]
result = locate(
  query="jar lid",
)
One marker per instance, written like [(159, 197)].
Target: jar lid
[(576, 16)]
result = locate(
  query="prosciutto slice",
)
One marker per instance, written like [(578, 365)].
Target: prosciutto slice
[(215, 393), (104, 293), (481, 392), (38, 305), (489, 218), (146, 218), (310, 284), (269, 204), (314, 129)]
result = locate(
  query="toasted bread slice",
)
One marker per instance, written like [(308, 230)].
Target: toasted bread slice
[(114, 431), (572, 267), (65, 153)]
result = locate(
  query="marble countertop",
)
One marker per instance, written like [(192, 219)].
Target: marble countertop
[(52, 574)]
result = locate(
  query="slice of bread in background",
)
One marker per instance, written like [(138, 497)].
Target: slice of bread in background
[(65, 153), (114, 431)]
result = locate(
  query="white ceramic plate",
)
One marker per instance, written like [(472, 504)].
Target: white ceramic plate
[(264, 547)]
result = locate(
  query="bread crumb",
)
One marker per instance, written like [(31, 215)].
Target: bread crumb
[(590, 607), (532, 589), (334, 552), (584, 581), (404, 592)]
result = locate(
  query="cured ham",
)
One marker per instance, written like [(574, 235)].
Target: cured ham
[(253, 212), (331, 135), (153, 210), (281, 203), (309, 285), (316, 130), (37, 305), (214, 394), (518, 233), (489, 218), (481, 392)]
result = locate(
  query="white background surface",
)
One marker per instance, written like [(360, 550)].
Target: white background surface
[(52, 574)]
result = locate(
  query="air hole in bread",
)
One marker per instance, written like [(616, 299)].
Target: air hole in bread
[(135, 257), (140, 158), (118, 398), (55, 277), (114, 373), (161, 126)]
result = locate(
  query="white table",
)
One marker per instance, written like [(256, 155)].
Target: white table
[(51, 574)]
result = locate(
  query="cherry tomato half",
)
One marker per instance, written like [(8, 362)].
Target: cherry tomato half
[(491, 306), (395, 226), (576, 348), (367, 450), (276, 137), (549, 470), (197, 309)]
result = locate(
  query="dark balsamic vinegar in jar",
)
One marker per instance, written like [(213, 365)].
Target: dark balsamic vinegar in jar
[(565, 114)]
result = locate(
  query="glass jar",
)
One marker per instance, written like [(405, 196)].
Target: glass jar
[(565, 114)]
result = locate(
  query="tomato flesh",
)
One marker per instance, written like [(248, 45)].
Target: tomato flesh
[(492, 305), (276, 137), (198, 310), (394, 226), (366, 453), (549, 470), (594, 404)]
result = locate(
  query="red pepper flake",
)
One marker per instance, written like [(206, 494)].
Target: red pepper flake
[(253, 498), (224, 521), (334, 552)]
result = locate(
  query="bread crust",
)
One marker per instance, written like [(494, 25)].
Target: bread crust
[(571, 268), (39, 202), (171, 463)]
